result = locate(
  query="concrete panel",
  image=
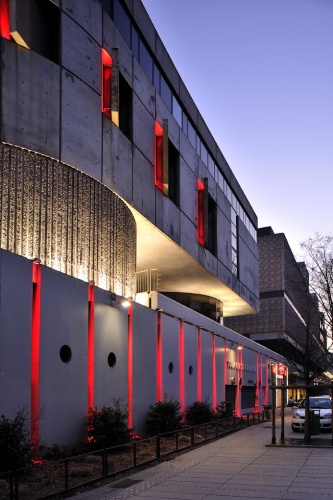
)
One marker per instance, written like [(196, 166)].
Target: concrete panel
[(206, 366), (144, 364), (170, 346), (188, 191), (160, 301), (163, 113), (143, 186), (81, 54), (188, 102), (81, 126), (113, 39), (63, 385), (111, 337), (206, 134), (250, 367), (223, 239), (143, 129), (30, 100), (86, 13), (144, 23), (220, 357), (189, 154), (190, 363), (143, 88), (167, 216), (188, 236), (167, 64), (208, 260), (117, 160), (15, 333)]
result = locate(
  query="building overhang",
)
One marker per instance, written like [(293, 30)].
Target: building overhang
[(179, 271)]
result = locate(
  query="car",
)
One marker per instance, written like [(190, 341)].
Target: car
[(321, 403)]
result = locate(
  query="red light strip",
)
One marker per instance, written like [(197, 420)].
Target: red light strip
[(199, 382), (158, 156), (35, 350), (159, 358), (106, 83), (201, 212), (181, 366), (213, 374), (130, 367), (91, 343), (4, 19), (225, 371)]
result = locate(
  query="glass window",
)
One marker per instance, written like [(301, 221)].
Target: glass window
[(211, 165), (204, 154), (135, 43), (122, 21), (107, 5), (198, 145), (191, 134), (166, 93), (185, 122), (176, 110), (157, 77), (146, 60)]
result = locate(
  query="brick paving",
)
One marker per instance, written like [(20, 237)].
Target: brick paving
[(241, 465)]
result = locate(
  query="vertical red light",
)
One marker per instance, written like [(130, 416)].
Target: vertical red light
[(159, 358), (181, 366), (91, 343), (158, 156), (201, 212), (106, 83), (213, 374), (199, 383), (35, 350), (130, 366), (4, 19), (225, 371)]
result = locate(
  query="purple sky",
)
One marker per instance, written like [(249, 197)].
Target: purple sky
[(261, 74)]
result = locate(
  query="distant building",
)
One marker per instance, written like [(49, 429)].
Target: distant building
[(288, 313)]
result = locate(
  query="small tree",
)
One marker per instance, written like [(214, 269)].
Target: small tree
[(107, 426), (164, 416), (16, 449), (199, 412), (224, 410)]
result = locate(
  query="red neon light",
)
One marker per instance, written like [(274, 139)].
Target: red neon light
[(225, 371), (159, 358), (201, 212), (130, 367), (91, 342), (4, 19), (181, 366), (158, 156), (199, 381), (213, 374), (35, 350), (106, 83)]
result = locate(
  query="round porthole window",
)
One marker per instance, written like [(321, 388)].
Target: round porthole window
[(112, 360), (170, 367), (190, 369), (65, 354)]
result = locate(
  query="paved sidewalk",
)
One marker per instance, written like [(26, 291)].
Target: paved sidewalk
[(240, 465)]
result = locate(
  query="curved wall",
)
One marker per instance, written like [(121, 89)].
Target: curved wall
[(70, 221)]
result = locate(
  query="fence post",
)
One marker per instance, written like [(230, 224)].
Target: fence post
[(158, 447), (248, 420), (134, 454), (66, 474), (192, 436), (234, 423), (105, 463), (177, 443)]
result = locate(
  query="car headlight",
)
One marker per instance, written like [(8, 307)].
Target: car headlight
[(327, 415), (296, 415)]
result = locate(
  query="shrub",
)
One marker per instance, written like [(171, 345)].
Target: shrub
[(164, 416), (199, 412), (224, 410), (16, 449), (107, 427)]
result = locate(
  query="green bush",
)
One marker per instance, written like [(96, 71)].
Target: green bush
[(224, 410), (164, 416), (16, 449), (199, 412), (107, 427)]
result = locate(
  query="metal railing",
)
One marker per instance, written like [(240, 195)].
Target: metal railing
[(55, 477)]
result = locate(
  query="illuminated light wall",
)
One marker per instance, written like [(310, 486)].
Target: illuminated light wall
[(213, 372), (130, 367), (91, 343), (4, 19), (35, 351), (199, 384), (70, 221)]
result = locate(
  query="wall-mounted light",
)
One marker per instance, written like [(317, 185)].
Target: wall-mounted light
[(239, 347)]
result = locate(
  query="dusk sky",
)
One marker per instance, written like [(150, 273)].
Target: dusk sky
[(261, 74)]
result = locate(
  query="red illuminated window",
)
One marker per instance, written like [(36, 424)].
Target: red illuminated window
[(106, 83), (4, 19), (201, 212), (159, 156)]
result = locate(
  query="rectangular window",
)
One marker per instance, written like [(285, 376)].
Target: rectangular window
[(173, 164), (122, 21), (106, 83), (146, 60), (234, 243), (201, 212), (125, 107), (158, 156), (211, 240), (176, 111), (4, 19), (191, 135), (166, 93), (135, 43)]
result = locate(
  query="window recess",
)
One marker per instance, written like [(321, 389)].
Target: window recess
[(207, 226), (166, 163), (110, 85)]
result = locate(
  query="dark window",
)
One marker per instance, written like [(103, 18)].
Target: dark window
[(173, 174), (65, 354), (211, 240), (43, 36), (122, 21), (106, 4), (166, 93), (191, 135), (157, 77), (146, 60), (125, 107), (135, 43)]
